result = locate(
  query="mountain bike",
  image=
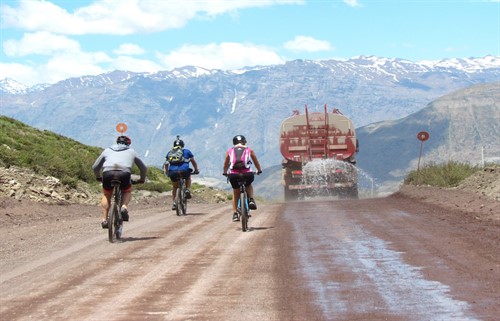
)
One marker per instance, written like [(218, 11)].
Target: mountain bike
[(180, 195), (114, 217), (242, 207)]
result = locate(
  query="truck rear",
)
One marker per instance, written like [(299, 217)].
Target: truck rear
[(319, 155)]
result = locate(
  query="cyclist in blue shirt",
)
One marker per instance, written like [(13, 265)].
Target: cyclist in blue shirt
[(177, 165)]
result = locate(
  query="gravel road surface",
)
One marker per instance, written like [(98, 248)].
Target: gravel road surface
[(393, 258)]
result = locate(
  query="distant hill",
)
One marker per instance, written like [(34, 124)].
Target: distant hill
[(464, 126)]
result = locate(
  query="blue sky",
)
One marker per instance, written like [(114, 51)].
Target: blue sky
[(48, 41)]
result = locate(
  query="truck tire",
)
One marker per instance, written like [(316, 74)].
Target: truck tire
[(290, 195), (353, 192)]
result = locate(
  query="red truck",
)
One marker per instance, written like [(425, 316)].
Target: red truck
[(319, 155)]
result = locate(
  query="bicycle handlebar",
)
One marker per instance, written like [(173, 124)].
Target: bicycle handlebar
[(252, 172)]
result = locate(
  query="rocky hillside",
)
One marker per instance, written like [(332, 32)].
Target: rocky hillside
[(23, 184), (20, 183)]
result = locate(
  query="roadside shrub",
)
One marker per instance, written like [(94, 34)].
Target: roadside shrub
[(441, 175), (153, 187)]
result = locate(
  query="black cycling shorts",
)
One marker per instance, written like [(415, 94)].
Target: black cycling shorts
[(176, 175), (123, 177), (234, 178)]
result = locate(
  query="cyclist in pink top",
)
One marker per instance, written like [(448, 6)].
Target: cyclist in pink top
[(239, 159)]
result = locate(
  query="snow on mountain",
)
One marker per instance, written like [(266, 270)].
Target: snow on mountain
[(368, 66), (10, 86)]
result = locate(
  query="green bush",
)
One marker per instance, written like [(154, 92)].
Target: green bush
[(441, 175), (154, 187), (47, 153)]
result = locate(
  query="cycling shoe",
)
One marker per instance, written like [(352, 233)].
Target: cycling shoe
[(124, 212)]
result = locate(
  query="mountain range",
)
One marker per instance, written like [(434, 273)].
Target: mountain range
[(382, 96)]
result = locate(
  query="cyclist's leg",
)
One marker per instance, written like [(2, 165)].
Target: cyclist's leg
[(236, 191), (107, 190), (126, 188), (175, 185), (249, 189), (248, 184), (187, 177), (105, 200), (236, 196), (126, 198)]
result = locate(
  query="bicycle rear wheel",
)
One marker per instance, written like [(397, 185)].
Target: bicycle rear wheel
[(112, 220), (184, 199), (178, 201), (115, 223), (118, 223), (184, 206), (244, 212)]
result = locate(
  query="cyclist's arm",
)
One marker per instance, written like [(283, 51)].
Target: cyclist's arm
[(255, 161), (226, 163), (142, 168), (195, 165), (96, 167)]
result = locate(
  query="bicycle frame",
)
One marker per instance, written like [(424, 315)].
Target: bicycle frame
[(242, 206), (114, 217), (180, 197)]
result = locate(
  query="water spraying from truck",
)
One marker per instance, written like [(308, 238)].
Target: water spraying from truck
[(319, 154)]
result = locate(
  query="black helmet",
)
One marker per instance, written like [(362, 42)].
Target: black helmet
[(124, 140), (178, 142), (239, 139)]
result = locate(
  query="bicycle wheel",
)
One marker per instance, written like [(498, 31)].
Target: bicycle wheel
[(118, 220), (112, 218), (184, 205), (178, 201), (183, 199), (244, 212)]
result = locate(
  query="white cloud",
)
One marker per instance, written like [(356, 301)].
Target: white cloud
[(307, 44), (120, 17), (132, 64), (226, 56), (39, 43), (59, 67), (20, 73), (129, 49), (75, 65), (352, 3), (52, 55)]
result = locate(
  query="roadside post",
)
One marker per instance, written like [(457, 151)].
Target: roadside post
[(422, 137)]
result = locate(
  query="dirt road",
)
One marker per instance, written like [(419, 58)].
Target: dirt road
[(372, 259)]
